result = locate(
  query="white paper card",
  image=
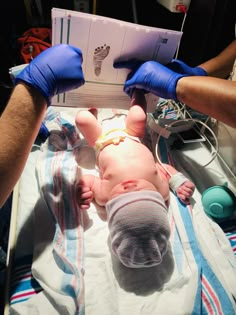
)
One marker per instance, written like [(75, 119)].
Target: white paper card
[(104, 40)]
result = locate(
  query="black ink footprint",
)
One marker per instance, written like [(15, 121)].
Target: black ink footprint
[(100, 53)]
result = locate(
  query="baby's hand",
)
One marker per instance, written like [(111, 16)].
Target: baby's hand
[(185, 191), (85, 195)]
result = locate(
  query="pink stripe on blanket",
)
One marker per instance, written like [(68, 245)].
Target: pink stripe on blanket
[(207, 304), (212, 294), (24, 295)]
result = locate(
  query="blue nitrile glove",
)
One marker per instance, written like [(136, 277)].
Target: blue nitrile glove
[(55, 70), (181, 67), (152, 77)]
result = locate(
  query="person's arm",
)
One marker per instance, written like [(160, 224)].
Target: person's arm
[(221, 65), (19, 125), (56, 70), (212, 96)]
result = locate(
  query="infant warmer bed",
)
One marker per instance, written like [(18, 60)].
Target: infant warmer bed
[(59, 260)]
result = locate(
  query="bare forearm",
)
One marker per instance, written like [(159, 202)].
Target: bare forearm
[(212, 96), (221, 65), (19, 125)]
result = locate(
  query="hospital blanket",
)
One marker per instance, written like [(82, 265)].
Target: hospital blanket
[(232, 239), (77, 270), (23, 284), (58, 267)]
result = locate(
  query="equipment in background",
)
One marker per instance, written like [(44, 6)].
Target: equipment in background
[(82, 6), (219, 202), (177, 6), (191, 136)]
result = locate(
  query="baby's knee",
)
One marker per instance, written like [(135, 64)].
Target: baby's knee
[(83, 118), (137, 114), (136, 121)]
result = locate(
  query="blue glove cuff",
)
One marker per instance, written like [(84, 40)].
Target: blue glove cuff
[(172, 86), (25, 76), (198, 71), (182, 68)]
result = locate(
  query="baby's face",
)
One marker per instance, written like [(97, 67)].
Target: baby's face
[(130, 185)]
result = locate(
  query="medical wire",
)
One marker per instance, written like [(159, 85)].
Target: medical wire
[(94, 7), (184, 120), (178, 112), (134, 10), (181, 30)]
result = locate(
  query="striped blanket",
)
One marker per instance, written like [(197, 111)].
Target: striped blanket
[(232, 239), (23, 284), (201, 279), (59, 269)]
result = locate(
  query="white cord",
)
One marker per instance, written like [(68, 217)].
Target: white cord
[(196, 121), (181, 30), (134, 10)]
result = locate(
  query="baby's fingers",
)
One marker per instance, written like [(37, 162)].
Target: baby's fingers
[(84, 207), (83, 189), (87, 195)]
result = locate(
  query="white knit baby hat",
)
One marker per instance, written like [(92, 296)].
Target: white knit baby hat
[(139, 228)]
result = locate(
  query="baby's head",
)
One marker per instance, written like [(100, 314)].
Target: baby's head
[(139, 228)]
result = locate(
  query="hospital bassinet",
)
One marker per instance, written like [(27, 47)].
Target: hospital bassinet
[(59, 261)]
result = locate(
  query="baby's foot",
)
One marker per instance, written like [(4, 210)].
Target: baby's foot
[(185, 191), (100, 53)]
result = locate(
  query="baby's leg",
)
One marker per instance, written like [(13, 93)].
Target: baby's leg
[(136, 121), (136, 118), (88, 125)]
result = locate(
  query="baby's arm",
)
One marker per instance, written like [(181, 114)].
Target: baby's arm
[(85, 191), (91, 188), (182, 186)]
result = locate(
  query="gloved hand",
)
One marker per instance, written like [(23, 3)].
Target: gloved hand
[(56, 70), (181, 67), (152, 77)]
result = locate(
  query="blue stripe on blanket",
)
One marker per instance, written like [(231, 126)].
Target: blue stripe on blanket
[(178, 252), (211, 297), (232, 239), (208, 282), (23, 284)]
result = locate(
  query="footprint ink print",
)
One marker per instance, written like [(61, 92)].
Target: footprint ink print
[(100, 53)]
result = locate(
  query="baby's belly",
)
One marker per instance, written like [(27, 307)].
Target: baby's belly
[(129, 169), (130, 160)]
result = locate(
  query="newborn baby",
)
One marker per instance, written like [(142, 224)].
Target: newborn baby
[(132, 187)]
